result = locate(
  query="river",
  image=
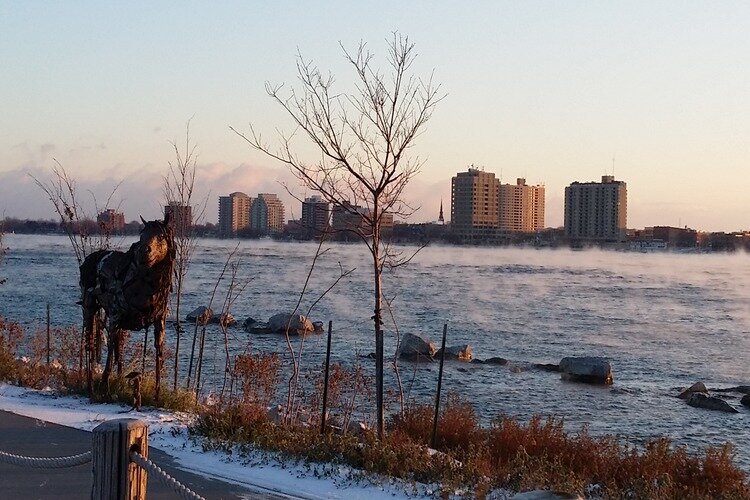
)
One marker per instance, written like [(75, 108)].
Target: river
[(664, 320)]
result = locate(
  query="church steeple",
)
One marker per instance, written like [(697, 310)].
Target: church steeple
[(441, 220)]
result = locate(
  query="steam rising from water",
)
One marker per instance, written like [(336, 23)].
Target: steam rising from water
[(664, 321)]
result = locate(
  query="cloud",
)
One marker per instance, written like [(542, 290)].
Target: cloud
[(139, 192)]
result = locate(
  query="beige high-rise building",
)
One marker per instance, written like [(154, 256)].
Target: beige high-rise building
[(234, 213), (267, 214), (596, 211), (521, 207), (475, 210)]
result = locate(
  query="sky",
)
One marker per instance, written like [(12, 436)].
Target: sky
[(546, 90)]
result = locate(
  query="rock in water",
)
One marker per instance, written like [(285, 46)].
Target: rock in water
[(586, 369), (414, 347), (297, 324), (746, 400), (696, 387), (700, 400), (547, 367), (546, 495), (744, 389), (225, 319), (459, 352), (252, 326), (496, 361), (202, 314)]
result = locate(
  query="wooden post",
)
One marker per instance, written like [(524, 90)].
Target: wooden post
[(325, 383), (115, 476), (440, 385)]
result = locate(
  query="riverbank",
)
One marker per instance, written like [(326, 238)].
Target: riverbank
[(32, 437), (168, 432)]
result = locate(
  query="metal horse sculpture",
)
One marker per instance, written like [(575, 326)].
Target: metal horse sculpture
[(133, 289)]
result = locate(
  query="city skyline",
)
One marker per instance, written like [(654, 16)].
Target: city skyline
[(537, 90)]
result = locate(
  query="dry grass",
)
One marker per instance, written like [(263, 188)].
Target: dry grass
[(509, 454), (541, 454)]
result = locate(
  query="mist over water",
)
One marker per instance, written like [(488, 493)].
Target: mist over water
[(664, 321)]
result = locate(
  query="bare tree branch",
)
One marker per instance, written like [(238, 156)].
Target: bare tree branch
[(364, 139)]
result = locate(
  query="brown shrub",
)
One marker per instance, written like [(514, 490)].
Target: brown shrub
[(257, 376), (11, 335), (458, 426)]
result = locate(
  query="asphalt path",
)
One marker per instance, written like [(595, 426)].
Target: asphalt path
[(27, 436)]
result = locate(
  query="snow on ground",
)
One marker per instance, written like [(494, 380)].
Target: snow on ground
[(254, 470)]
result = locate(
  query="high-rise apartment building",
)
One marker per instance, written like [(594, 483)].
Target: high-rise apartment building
[(316, 216), (180, 217), (596, 211), (267, 214), (521, 207), (475, 210), (110, 220), (234, 213)]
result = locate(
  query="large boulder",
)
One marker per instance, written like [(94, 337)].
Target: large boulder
[(415, 347), (225, 319), (296, 323), (746, 400), (586, 369), (200, 314), (696, 387), (700, 400), (459, 352)]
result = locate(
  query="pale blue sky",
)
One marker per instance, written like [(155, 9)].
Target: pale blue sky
[(546, 90)]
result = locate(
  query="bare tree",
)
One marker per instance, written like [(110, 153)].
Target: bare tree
[(62, 191), (2, 247), (177, 188), (364, 137)]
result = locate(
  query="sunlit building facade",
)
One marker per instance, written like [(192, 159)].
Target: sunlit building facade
[(234, 213), (521, 207), (475, 204), (596, 211)]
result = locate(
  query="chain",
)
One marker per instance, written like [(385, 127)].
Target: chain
[(45, 462), (180, 489)]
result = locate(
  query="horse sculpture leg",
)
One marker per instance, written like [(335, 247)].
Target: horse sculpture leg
[(113, 355), (111, 338), (89, 327), (120, 339), (159, 353)]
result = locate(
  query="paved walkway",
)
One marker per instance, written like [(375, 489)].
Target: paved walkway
[(35, 438)]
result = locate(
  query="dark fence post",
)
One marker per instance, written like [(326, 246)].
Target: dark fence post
[(145, 346), (325, 382), (48, 335), (115, 476), (439, 387)]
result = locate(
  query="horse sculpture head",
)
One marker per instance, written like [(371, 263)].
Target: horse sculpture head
[(156, 242)]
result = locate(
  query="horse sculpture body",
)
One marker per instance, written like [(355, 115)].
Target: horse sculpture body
[(133, 289)]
